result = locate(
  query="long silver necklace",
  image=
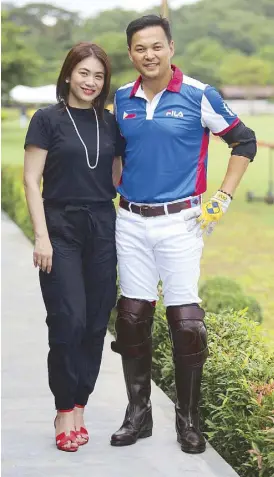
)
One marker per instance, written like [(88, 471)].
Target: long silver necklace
[(85, 147)]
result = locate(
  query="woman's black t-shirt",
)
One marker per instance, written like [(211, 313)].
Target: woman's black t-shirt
[(67, 177)]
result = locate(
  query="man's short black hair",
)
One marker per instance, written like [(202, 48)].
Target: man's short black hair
[(148, 21)]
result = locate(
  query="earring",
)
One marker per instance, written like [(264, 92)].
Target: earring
[(67, 81)]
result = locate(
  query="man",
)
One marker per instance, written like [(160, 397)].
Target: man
[(165, 118)]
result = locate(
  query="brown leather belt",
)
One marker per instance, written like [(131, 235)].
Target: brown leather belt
[(157, 210)]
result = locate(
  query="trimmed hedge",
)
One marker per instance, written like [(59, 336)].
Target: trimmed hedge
[(238, 386), (4, 115), (13, 198), (222, 293)]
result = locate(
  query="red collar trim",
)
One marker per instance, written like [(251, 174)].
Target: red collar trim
[(135, 87), (174, 85), (176, 81)]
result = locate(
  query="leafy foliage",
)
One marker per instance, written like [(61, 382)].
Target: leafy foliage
[(4, 115), (13, 198), (237, 389), (221, 293)]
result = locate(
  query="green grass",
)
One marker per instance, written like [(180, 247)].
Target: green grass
[(12, 140), (242, 245)]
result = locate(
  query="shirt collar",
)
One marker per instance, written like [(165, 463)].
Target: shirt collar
[(174, 85)]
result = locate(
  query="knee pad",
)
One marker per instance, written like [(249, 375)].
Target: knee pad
[(133, 327), (188, 334)]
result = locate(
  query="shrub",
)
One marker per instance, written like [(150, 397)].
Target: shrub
[(237, 390), (220, 284), (4, 115), (13, 198), (9, 114), (221, 293)]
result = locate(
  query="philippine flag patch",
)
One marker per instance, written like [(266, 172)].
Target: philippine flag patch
[(129, 115)]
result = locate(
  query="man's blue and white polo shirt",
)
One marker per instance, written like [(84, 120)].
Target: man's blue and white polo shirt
[(167, 138)]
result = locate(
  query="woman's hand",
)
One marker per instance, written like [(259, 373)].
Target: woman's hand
[(42, 254)]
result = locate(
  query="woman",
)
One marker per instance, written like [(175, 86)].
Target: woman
[(75, 145)]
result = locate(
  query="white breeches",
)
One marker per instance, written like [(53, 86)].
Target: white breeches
[(158, 248)]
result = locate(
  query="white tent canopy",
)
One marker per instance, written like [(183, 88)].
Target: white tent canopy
[(28, 95)]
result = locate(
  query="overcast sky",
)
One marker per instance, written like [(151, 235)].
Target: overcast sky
[(91, 7)]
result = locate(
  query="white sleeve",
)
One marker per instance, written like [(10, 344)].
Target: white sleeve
[(215, 113)]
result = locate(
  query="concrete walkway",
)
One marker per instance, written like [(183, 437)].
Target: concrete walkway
[(28, 448)]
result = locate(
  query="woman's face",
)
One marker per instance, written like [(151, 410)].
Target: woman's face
[(86, 82)]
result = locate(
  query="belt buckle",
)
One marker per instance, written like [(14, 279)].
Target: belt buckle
[(143, 207)]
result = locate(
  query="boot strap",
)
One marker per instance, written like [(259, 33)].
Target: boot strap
[(136, 351), (195, 359)]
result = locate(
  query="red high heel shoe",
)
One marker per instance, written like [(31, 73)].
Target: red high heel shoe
[(62, 439), (83, 433)]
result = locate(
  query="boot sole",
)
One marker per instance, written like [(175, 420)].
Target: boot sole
[(121, 443), (189, 450)]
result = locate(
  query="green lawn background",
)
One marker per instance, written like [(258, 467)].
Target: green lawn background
[(242, 245)]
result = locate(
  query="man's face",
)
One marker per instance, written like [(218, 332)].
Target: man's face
[(150, 52)]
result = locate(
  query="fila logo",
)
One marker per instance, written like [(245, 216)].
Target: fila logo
[(175, 114), (129, 115)]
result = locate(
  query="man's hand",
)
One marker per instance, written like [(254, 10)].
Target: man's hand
[(211, 213)]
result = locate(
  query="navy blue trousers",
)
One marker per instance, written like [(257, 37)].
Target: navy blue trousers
[(79, 295)]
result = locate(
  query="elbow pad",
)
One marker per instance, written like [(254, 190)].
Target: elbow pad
[(242, 141)]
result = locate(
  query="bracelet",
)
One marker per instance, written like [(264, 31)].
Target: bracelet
[(229, 195)]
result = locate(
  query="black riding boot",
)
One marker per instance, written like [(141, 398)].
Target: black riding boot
[(138, 419), (189, 341), (188, 383), (134, 343)]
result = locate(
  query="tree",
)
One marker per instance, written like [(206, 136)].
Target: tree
[(201, 59), (50, 30), (20, 63), (114, 21), (238, 69), (267, 53), (236, 24), (115, 46)]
